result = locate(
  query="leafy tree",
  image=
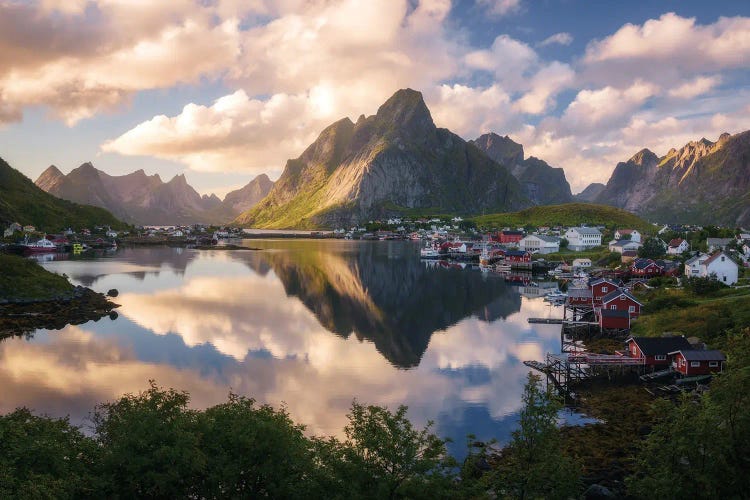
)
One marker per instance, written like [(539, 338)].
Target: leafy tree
[(384, 456), (703, 286), (254, 452), (42, 457), (150, 445), (652, 248), (533, 465), (564, 243)]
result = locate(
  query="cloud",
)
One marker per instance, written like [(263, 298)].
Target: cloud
[(695, 87), (500, 8), (562, 38)]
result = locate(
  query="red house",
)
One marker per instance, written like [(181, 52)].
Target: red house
[(656, 350), (510, 236), (517, 256), (622, 300), (580, 297), (601, 287), (612, 319), (695, 362), (646, 267)]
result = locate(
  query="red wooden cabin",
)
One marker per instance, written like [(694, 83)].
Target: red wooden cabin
[(656, 350), (696, 362)]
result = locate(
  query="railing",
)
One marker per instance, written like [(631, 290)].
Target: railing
[(605, 359)]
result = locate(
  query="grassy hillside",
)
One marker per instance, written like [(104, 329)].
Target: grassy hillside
[(23, 202), (568, 214), (25, 279)]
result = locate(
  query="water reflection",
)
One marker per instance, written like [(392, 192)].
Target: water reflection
[(313, 324)]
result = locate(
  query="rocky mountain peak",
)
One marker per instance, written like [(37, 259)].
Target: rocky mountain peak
[(644, 157), (502, 149), (406, 109), (49, 178)]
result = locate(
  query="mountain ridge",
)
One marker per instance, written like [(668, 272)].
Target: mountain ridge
[(703, 182), (146, 199), (393, 160)]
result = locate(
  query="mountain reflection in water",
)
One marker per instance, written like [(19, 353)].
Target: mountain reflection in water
[(313, 324)]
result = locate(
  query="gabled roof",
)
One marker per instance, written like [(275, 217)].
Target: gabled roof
[(644, 263), (515, 253), (592, 231), (716, 256), (700, 355), (625, 243), (651, 346), (613, 295), (602, 280), (548, 239), (625, 231), (512, 233), (674, 243), (696, 258)]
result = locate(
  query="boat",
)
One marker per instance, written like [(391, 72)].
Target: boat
[(429, 253), (42, 246)]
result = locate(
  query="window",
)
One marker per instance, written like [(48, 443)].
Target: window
[(660, 357), (695, 364), (622, 297), (613, 307), (631, 309), (713, 364), (604, 289), (724, 278), (722, 258)]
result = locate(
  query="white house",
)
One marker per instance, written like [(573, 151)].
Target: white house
[(581, 263), (582, 238), (677, 246), (720, 266), (110, 234), (177, 233), (539, 243), (621, 246), (634, 234), (693, 264)]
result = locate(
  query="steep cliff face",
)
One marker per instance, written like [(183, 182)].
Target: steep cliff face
[(247, 197), (703, 182), (394, 160), (145, 199), (541, 183)]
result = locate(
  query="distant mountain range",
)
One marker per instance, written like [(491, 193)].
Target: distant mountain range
[(389, 163), (703, 182), (23, 202), (146, 199)]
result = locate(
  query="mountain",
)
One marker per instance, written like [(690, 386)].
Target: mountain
[(384, 164), (23, 202), (542, 184), (590, 193), (146, 199), (240, 200), (703, 182)]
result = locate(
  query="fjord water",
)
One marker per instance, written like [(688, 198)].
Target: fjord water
[(311, 324)]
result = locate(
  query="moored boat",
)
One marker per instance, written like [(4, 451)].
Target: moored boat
[(41, 246)]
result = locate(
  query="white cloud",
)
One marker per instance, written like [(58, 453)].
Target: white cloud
[(501, 8), (695, 87), (562, 38)]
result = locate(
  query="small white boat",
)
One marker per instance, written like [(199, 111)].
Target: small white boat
[(429, 252)]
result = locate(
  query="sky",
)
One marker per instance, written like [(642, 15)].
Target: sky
[(223, 90)]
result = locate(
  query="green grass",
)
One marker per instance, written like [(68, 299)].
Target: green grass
[(567, 214), (21, 201), (714, 319), (25, 279)]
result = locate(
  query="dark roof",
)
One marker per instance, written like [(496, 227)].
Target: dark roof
[(515, 253), (629, 253), (512, 233), (613, 313), (613, 295), (603, 280), (644, 263), (651, 346), (699, 355), (579, 292)]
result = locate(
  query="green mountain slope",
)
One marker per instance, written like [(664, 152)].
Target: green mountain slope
[(23, 202), (395, 160), (568, 214)]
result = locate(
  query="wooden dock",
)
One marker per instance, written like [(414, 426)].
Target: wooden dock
[(560, 321)]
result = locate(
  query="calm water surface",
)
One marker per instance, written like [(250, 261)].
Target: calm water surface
[(311, 324)]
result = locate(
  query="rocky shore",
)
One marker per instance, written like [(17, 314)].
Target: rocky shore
[(21, 316)]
